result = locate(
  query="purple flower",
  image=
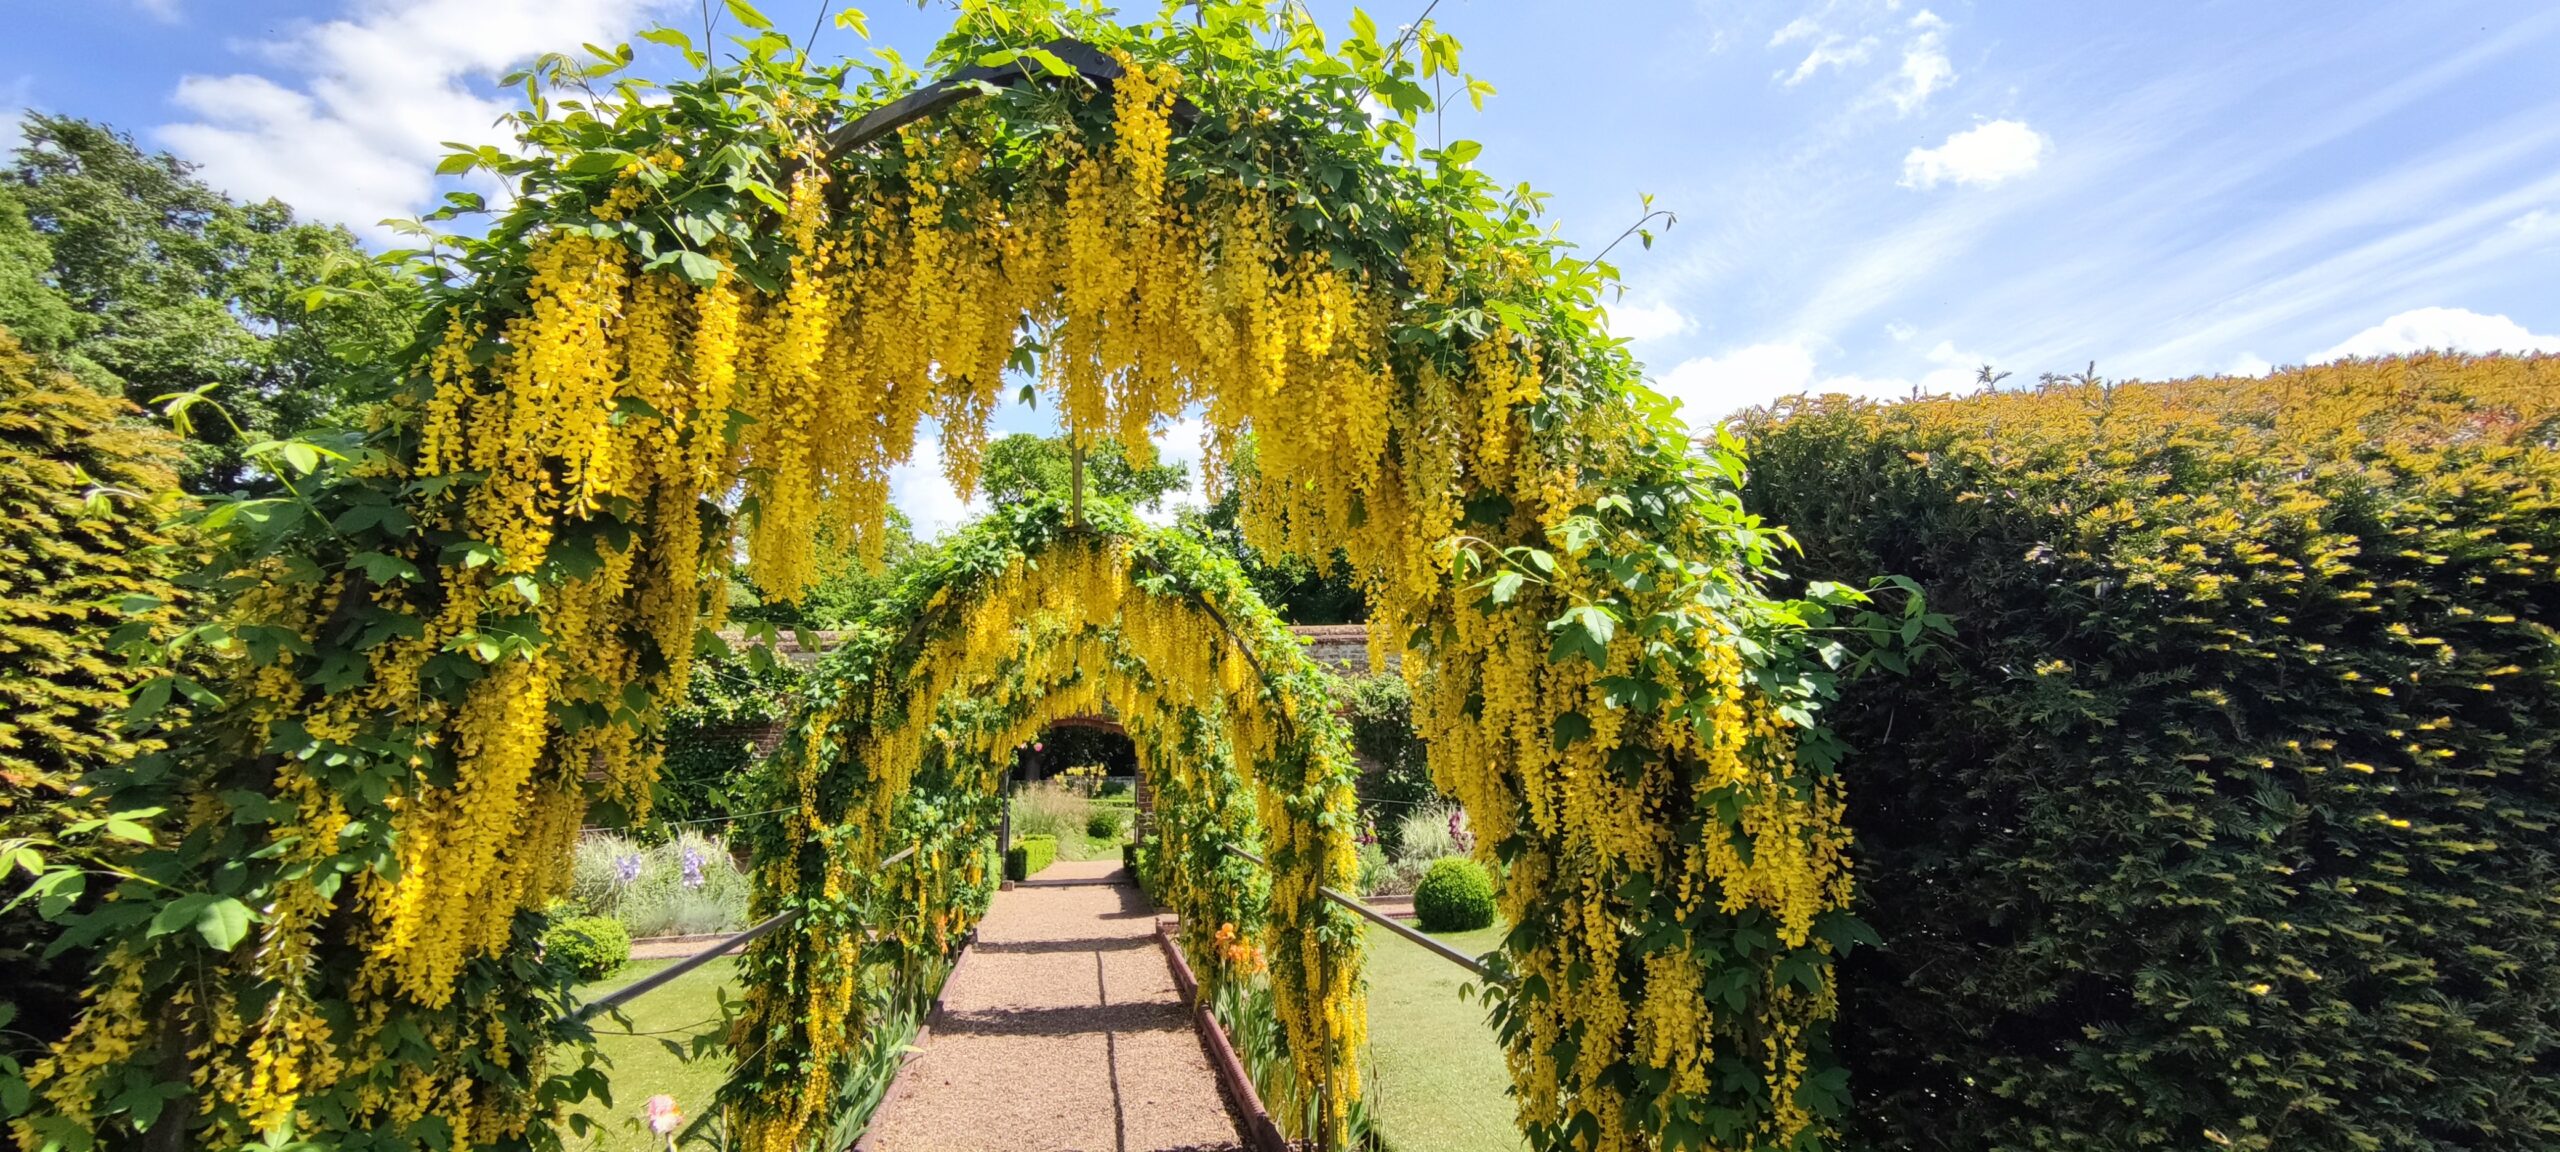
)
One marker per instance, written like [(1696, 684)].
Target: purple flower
[(1458, 833), (692, 867), (626, 867)]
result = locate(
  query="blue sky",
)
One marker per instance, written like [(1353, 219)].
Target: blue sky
[(1873, 195)]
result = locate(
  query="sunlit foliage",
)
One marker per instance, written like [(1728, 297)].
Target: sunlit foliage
[(704, 322), (2230, 820)]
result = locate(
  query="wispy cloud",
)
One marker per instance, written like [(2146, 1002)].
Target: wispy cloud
[(1830, 49), (1925, 67), (354, 134), (2178, 253), (1844, 41)]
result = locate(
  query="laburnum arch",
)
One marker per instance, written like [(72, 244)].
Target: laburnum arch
[(719, 313), (1024, 619)]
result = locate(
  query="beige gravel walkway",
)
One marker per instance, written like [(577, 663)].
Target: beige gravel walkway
[(1061, 1033)]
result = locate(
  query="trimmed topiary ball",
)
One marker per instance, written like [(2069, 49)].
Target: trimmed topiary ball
[(1103, 825), (1455, 896), (590, 947)]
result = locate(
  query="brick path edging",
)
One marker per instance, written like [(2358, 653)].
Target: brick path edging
[(1260, 1131)]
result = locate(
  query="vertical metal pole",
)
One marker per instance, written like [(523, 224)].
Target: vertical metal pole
[(1076, 516), (1004, 830)]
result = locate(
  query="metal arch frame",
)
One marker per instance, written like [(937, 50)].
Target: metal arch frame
[(1089, 64)]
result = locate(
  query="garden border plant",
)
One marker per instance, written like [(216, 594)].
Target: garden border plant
[(712, 313)]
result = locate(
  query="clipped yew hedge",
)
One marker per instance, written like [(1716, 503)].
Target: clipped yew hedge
[(2231, 817)]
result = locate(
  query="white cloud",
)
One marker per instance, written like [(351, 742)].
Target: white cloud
[(2441, 329), (1985, 155), (1710, 388), (1184, 442), (165, 11), (355, 136), (2249, 364), (1925, 67), (1901, 332), (1643, 322), (1955, 372), (920, 490)]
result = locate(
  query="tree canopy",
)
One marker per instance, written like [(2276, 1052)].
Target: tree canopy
[(156, 284), (1022, 467)]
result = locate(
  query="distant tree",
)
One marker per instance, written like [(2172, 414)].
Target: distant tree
[(1022, 466), (173, 287), (39, 317), (1301, 591), (846, 586)]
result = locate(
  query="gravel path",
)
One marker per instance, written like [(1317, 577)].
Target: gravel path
[(1061, 1033)]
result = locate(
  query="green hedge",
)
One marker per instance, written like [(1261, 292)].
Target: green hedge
[(1028, 856), (589, 947), (2231, 817)]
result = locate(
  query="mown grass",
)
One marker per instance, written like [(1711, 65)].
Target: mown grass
[(1440, 1082), (642, 1066)]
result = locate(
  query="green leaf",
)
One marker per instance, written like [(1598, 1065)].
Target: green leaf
[(223, 923), (853, 19), (698, 269), (671, 38), (1570, 727), (382, 568), (1584, 630), (746, 14)]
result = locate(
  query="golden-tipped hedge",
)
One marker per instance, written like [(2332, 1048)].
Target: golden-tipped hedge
[(2232, 816), (84, 490)]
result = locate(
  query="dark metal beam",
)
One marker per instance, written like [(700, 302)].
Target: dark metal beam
[(721, 947), (1383, 920), (1094, 67)]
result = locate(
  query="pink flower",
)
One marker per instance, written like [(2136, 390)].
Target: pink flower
[(664, 1116), (1037, 747)]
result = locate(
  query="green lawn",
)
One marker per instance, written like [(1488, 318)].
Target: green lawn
[(642, 1067), (1440, 1079)]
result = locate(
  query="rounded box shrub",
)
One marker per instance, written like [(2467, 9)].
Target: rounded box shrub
[(590, 947), (1102, 825), (1455, 896), (2227, 818)]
